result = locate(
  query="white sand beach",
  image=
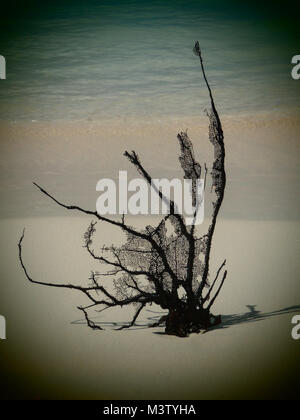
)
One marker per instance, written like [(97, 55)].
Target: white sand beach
[(51, 353)]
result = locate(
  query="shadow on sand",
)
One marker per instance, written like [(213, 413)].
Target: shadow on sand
[(251, 315)]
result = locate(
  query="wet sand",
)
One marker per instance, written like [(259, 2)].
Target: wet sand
[(69, 157)]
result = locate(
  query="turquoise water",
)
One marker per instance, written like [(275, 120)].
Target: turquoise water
[(115, 59)]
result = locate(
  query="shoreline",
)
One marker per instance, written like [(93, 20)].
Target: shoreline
[(257, 117)]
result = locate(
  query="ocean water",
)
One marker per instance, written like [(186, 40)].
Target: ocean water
[(102, 60), (88, 80)]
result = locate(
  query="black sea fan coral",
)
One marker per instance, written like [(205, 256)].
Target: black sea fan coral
[(152, 266)]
